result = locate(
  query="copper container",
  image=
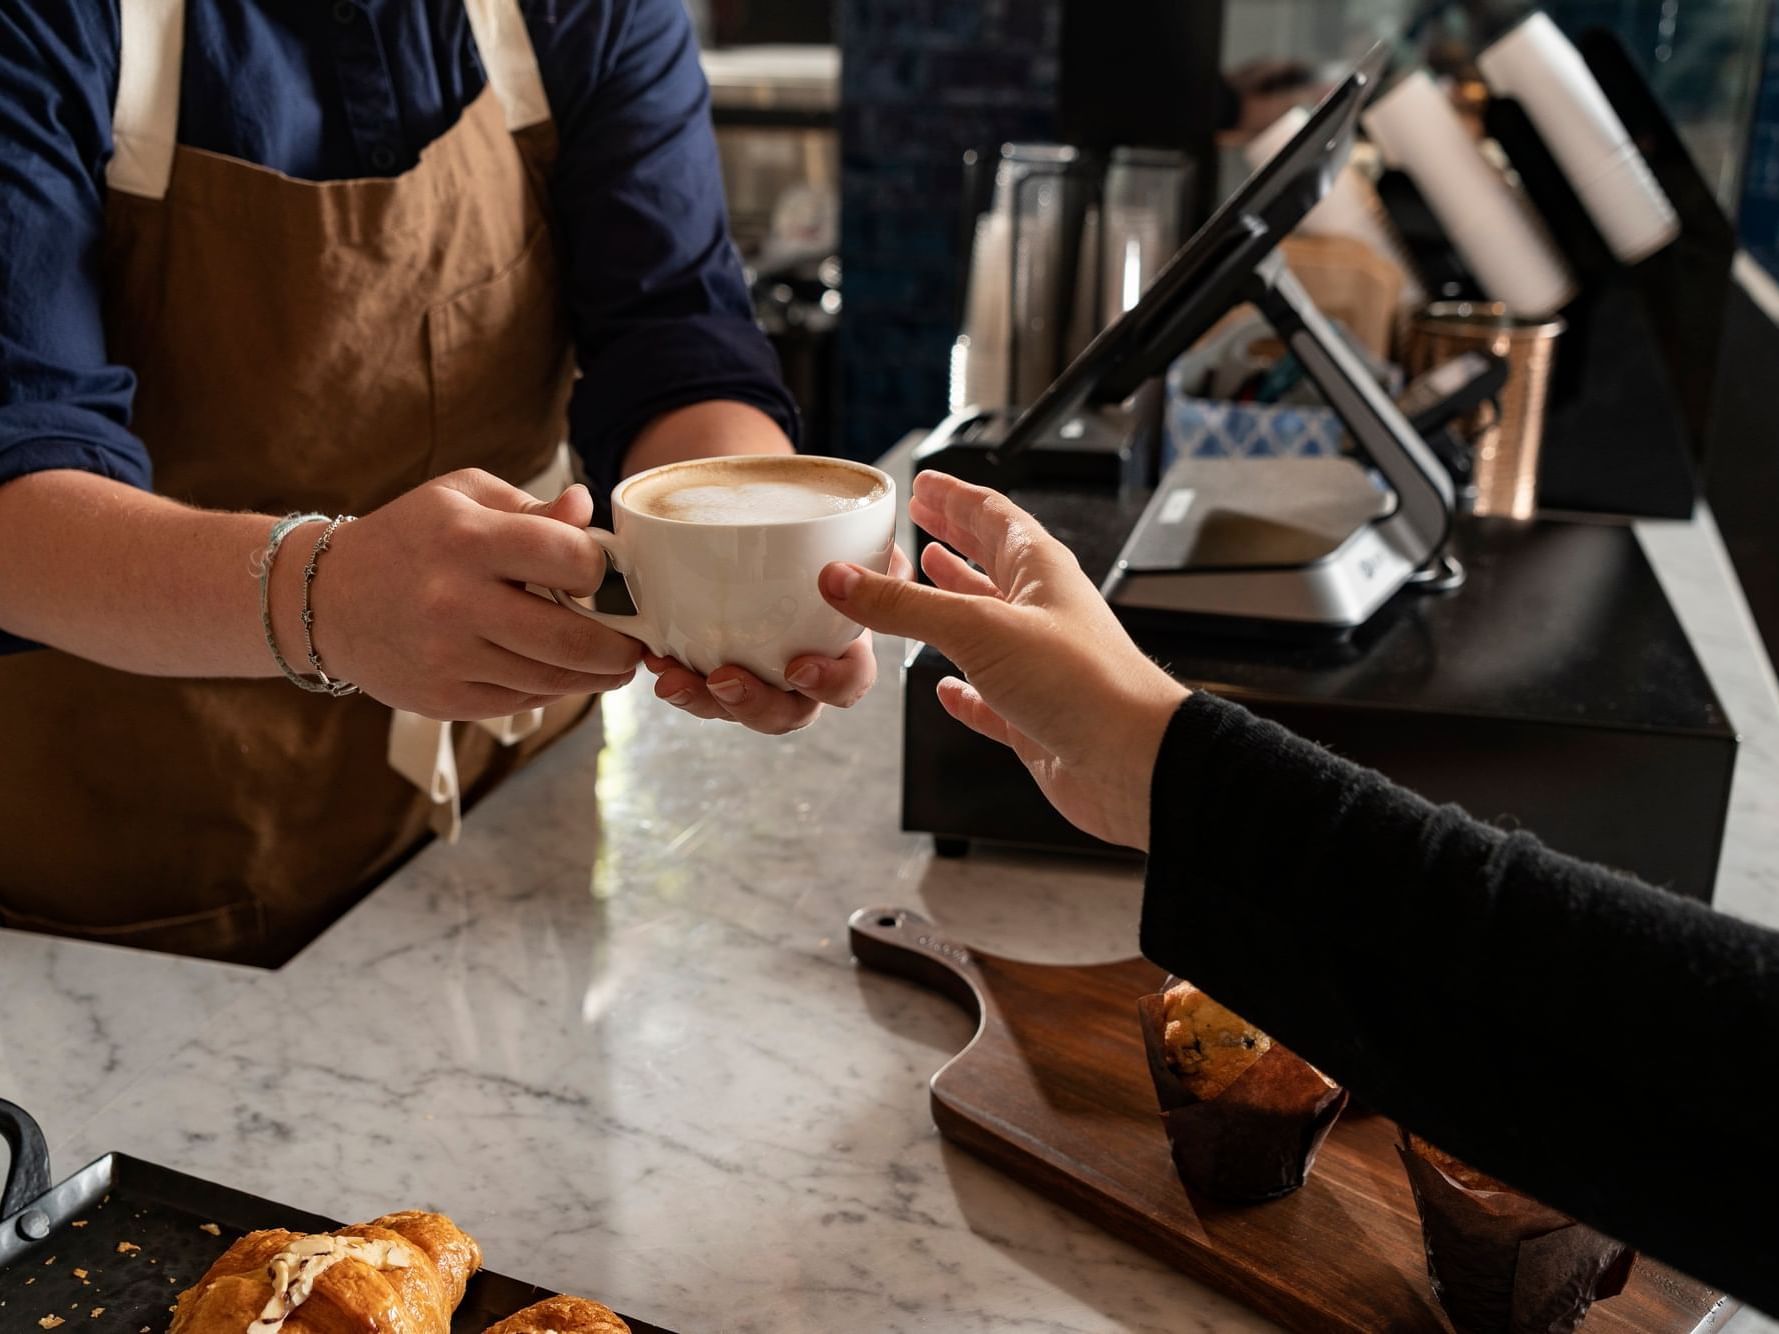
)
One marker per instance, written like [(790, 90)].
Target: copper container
[(1506, 443)]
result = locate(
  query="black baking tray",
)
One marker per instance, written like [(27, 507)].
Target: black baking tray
[(60, 1250)]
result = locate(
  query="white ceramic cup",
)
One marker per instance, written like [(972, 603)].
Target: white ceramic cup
[(743, 594)]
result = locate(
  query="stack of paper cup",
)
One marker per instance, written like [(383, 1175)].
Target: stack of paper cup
[(1351, 208), (979, 357), (1539, 67), (1493, 230)]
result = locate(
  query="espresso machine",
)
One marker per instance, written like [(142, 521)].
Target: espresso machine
[(1507, 665)]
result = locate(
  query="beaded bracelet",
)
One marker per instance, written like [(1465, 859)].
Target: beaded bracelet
[(328, 685), (280, 530)]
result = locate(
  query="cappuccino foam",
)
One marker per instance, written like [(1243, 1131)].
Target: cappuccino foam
[(760, 491)]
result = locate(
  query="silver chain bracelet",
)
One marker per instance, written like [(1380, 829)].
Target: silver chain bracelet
[(323, 684), (338, 689), (280, 530)]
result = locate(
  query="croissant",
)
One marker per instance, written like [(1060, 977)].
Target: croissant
[(562, 1315), (400, 1274)]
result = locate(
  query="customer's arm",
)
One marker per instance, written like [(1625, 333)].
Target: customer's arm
[(1606, 1046)]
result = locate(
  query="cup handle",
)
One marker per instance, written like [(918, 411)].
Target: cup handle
[(633, 622)]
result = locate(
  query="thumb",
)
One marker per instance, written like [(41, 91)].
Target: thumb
[(954, 623)]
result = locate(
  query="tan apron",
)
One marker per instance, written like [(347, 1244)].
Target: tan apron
[(299, 346)]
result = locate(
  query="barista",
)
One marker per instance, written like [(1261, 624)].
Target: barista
[(267, 258), (1610, 1048)]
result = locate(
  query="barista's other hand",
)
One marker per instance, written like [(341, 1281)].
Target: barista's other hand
[(737, 695), (1051, 672)]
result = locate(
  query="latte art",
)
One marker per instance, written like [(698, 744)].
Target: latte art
[(753, 491)]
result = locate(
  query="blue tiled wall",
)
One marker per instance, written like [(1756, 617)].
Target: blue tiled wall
[(1760, 179), (921, 82)]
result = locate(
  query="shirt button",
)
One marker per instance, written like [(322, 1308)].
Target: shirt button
[(344, 11), (382, 157)]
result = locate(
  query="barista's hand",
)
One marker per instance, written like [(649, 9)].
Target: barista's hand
[(1051, 672), (422, 603), (737, 695)]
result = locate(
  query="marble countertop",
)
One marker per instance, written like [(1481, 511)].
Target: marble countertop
[(616, 1032)]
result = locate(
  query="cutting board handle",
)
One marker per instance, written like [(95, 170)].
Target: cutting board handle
[(27, 1171), (901, 942)]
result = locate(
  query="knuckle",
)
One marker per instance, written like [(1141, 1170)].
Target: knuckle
[(545, 679), (890, 596), (567, 638), (579, 642), (564, 681), (463, 479), (460, 529), (437, 599)]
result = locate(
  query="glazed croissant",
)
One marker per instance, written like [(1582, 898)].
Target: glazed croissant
[(400, 1274), (562, 1315)]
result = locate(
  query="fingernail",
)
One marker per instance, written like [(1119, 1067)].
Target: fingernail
[(680, 698), (843, 582), (730, 692), (805, 676)]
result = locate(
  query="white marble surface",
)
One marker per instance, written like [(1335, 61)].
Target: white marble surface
[(79, 1022), (619, 1036), (1695, 572)]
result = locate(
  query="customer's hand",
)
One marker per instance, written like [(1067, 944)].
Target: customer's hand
[(735, 694), (422, 603), (1051, 672)]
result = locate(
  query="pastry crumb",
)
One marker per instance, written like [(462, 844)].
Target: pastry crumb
[(51, 1322), (127, 1248), (98, 1311), (79, 1222), (80, 1273), (211, 1228), (50, 1261)]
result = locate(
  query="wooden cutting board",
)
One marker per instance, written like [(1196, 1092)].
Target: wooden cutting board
[(1054, 1090)]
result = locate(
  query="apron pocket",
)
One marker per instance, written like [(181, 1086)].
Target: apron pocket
[(501, 364)]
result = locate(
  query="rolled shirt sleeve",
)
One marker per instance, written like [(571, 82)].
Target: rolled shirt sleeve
[(656, 295), (63, 403)]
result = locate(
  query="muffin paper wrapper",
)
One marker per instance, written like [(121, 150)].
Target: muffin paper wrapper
[(1502, 1263), (1257, 1139)]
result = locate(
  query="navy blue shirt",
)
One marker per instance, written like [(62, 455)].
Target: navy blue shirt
[(333, 89)]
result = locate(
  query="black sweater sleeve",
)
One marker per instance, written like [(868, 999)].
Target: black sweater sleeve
[(1603, 1045)]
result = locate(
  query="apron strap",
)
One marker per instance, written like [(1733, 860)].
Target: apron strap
[(145, 117), (507, 55)]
